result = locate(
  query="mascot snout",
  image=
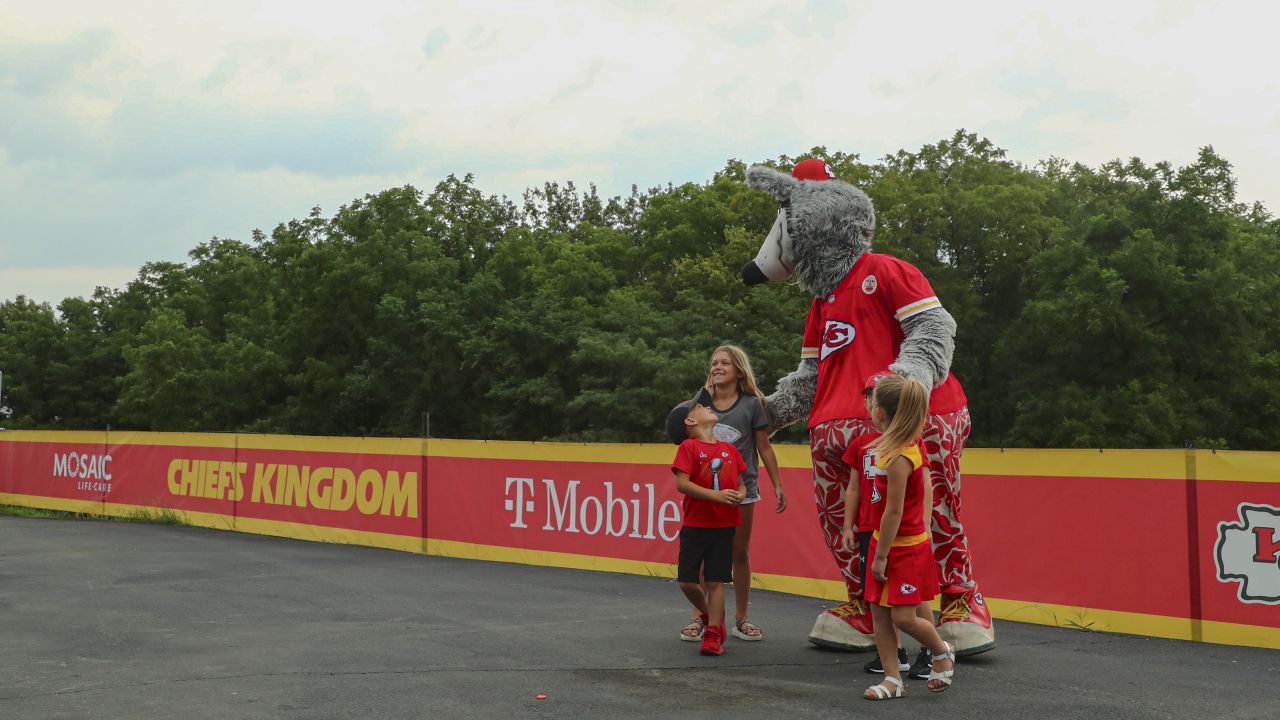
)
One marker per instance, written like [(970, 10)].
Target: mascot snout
[(774, 261)]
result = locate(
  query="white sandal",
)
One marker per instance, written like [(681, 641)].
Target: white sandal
[(882, 691), (742, 630), (943, 676), (693, 631)]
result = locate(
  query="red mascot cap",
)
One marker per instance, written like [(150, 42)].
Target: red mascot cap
[(873, 380), (812, 169)]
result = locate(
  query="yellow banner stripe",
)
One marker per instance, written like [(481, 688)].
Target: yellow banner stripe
[(1020, 611)]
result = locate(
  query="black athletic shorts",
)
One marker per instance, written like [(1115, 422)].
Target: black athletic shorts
[(864, 541), (707, 552)]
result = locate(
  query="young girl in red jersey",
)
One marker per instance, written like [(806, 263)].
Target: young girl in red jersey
[(903, 573), (861, 499)]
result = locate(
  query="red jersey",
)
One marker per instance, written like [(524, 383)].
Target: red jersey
[(911, 528), (862, 460), (857, 330), (694, 459)]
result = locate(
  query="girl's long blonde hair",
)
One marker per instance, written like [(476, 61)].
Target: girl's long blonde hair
[(746, 378), (906, 406)]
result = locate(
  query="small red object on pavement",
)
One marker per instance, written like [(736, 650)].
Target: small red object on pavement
[(539, 697)]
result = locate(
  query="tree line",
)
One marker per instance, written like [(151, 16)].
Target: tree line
[(1126, 305)]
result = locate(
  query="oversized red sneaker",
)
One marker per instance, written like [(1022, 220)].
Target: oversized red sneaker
[(845, 627), (712, 639), (965, 621)]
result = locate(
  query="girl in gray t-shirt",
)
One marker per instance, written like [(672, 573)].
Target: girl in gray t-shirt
[(744, 422)]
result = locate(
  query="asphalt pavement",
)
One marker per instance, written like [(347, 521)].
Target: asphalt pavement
[(102, 619)]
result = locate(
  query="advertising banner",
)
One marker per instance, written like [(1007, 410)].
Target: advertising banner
[(1168, 543)]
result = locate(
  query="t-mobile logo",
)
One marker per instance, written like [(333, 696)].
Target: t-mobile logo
[(523, 501)]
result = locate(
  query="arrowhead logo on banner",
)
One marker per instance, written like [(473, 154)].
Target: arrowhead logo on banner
[(1248, 552)]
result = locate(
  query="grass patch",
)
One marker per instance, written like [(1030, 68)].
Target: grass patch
[(160, 516), (1080, 622)]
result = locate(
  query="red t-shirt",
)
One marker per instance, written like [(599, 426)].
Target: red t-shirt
[(862, 460), (694, 459), (912, 523), (857, 330)]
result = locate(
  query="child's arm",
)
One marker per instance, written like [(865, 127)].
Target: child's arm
[(688, 487), (899, 471), (770, 460), (852, 493), (741, 465)]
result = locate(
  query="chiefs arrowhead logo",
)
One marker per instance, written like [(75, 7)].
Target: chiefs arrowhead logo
[(1248, 552), (836, 335)]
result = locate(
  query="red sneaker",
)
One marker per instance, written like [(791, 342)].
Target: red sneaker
[(965, 621), (712, 638)]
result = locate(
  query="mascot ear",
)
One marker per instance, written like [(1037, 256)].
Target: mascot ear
[(779, 185)]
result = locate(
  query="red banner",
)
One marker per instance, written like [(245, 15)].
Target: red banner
[(1170, 543)]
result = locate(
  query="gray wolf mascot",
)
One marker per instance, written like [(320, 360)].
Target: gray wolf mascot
[(870, 311)]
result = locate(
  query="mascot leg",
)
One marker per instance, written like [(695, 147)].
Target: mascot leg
[(846, 626), (965, 621)]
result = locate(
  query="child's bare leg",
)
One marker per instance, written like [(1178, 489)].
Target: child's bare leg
[(907, 619), (742, 563), (715, 605), (886, 645), (925, 612), (702, 584), (696, 596)]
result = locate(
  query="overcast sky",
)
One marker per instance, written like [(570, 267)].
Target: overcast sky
[(132, 131)]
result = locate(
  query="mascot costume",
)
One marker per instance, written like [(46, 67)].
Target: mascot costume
[(869, 311)]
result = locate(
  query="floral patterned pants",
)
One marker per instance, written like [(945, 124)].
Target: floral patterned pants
[(945, 436)]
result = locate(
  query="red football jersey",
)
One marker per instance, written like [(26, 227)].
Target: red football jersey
[(862, 461), (694, 459), (857, 330), (912, 502)]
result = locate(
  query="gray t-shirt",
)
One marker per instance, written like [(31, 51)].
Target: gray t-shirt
[(737, 426)]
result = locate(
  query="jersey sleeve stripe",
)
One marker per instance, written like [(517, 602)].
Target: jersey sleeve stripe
[(808, 353), (917, 307)]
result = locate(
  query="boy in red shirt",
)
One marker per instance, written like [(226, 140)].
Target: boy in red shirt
[(708, 474)]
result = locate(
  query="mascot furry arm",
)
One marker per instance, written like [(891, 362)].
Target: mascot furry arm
[(823, 228)]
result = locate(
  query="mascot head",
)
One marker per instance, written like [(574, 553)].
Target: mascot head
[(823, 227)]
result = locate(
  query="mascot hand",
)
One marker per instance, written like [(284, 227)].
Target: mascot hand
[(793, 399)]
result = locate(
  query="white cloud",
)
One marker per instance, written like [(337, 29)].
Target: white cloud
[(55, 284), (152, 129)]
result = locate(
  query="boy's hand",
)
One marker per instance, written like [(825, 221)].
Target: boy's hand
[(850, 539), (727, 497), (782, 500), (878, 568)]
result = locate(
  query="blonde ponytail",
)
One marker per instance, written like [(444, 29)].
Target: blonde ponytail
[(906, 406)]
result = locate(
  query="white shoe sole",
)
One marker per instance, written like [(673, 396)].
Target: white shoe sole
[(832, 632), (743, 636), (968, 638)]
